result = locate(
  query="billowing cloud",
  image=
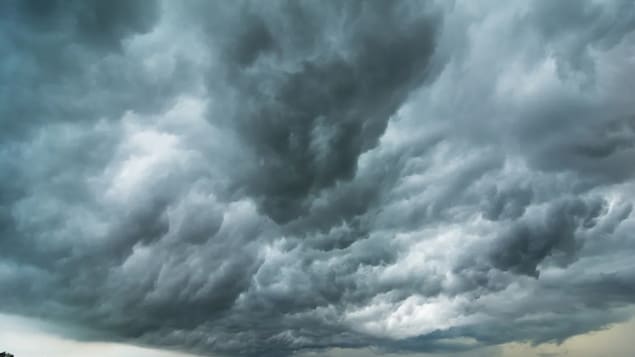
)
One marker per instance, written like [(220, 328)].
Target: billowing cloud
[(267, 179)]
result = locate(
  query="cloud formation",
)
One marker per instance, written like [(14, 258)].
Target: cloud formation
[(265, 179)]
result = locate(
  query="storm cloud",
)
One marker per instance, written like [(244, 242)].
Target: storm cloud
[(274, 178)]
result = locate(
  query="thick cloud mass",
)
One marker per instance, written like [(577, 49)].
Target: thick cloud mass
[(268, 178)]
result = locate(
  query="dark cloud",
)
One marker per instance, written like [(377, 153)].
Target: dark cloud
[(508, 202), (528, 242), (309, 114), (578, 28), (70, 54), (92, 23), (265, 179)]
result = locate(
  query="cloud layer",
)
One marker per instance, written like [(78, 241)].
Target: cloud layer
[(262, 179)]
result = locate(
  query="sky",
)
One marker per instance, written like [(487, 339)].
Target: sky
[(317, 178), (19, 334)]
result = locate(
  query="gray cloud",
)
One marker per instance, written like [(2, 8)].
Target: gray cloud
[(311, 111), (273, 179), (527, 243)]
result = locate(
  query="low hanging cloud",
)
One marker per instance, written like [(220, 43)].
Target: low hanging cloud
[(266, 179)]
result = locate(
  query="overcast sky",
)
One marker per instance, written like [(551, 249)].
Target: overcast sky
[(317, 178)]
